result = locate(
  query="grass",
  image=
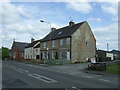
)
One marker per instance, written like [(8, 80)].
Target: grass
[(113, 69)]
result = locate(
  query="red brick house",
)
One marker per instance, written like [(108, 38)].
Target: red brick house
[(17, 50)]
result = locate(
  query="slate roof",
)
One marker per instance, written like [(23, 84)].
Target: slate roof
[(20, 45), (32, 44), (62, 32), (116, 52), (103, 51), (38, 46)]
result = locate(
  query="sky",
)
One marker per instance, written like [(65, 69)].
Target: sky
[(21, 20)]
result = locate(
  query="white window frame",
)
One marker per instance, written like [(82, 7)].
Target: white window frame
[(44, 44), (68, 40), (61, 41), (53, 43)]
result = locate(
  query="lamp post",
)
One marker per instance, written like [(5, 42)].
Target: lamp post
[(50, 35)]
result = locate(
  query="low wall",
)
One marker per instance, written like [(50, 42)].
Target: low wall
[(57, 61)]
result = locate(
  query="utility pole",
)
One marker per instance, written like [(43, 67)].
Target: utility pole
[(107, 47), (50, 51)]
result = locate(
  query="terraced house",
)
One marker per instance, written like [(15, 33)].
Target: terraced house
[(32, 50), (74, 42)]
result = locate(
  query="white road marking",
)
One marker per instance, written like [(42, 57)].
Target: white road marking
[(23, 70), (87, 76), (76, 88), (104, 80), (42, 78), (19, 69)]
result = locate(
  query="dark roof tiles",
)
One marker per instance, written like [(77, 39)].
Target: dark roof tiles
[(37, 46), (62, 32), (20, 45), (32, 44)]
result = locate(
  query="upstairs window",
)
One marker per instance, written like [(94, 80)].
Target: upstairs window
[(44, 45), (68, 40), (61, 41), (36, 50), (53, 43)]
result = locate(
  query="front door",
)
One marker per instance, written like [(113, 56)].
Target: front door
[(41, 56), (68, 55)]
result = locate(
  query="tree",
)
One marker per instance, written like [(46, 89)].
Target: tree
[(5, 53)]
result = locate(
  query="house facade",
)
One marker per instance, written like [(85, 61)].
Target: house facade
[(32, 50), (17, 50), (116, 54), (74, 42), (103, 56)]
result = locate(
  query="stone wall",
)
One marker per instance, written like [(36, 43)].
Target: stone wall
[(83, 44)]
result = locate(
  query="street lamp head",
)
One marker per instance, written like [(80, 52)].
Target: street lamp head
[(41, 21)]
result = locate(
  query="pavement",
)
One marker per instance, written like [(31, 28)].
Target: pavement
[(24, 75)]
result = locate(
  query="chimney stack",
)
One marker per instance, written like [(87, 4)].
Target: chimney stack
[(71, 23), (53, 29), (32, 40)]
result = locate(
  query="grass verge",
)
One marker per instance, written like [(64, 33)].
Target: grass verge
[(113, 69)]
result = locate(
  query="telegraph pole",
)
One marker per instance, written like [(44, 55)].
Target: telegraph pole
[(107, 47)]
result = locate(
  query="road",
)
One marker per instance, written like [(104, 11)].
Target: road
[(21, 75)]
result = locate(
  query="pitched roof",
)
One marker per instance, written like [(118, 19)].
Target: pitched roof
[(103, 51), (115, 52), (37, 46), (32, 44), (20, 45), (62, 32)]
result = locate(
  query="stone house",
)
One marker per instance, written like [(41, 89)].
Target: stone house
[(74, 42), (17, 50), (32, 50)]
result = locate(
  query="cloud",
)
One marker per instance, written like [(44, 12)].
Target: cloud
[(82, 7), (95, 19), (19, 24), (110, 8), (107, 34), (11, 13)]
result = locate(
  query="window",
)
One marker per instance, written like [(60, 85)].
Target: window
[(59, 32), (68, 40), (36, 50), (53, 43), (61, 55), (52, 54), (44, 44), (61, 41)]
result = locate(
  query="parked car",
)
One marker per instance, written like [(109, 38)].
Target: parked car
[(97, 66)]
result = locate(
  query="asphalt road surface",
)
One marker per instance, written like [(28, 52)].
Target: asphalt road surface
[(21, 75)]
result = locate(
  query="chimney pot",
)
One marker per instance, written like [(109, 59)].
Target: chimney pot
[(53, 29), (32, 40), (71, 23)]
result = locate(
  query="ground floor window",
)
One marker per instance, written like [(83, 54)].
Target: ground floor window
[(54, 55), (61, 55)]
